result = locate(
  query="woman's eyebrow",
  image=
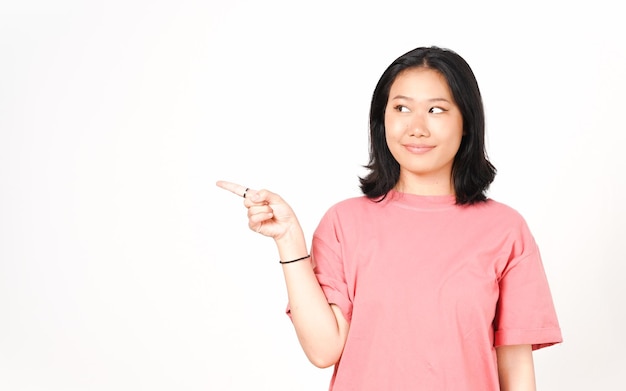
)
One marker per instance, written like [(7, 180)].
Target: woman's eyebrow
[(402, 97), (427, 100)]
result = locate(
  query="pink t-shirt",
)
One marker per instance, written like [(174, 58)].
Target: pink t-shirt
[(430, 289)]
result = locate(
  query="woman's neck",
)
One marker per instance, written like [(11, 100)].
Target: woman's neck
[(425, 186)]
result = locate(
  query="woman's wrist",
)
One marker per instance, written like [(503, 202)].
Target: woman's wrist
[(291, 245), (282, 262), (292, 236)]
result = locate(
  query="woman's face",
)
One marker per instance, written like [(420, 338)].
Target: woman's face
[(423, 129)]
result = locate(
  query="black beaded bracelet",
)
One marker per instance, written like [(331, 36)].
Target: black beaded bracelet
[(295, 260)]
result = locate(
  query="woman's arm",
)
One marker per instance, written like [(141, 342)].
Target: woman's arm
[(321, 328), (516, 369)]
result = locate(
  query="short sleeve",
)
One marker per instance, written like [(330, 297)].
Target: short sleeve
[(525, 312), (329, 270)]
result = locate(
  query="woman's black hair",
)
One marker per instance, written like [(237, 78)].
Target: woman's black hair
[(472, 173)]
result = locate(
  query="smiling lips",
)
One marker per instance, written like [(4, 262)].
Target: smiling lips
[(418, 149)]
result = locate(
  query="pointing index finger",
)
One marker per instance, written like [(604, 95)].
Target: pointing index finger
[(233, 187)]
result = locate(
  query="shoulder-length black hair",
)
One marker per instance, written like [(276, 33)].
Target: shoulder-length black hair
[(472, 173)]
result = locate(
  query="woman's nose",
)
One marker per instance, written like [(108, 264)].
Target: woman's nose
[(418, 127)]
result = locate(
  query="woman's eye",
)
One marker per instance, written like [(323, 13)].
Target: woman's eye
[(436, 110), (402, 109)]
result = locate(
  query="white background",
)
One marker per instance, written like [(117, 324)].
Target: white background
[(123, 266)]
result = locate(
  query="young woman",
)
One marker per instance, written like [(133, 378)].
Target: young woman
[(422, 283)]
